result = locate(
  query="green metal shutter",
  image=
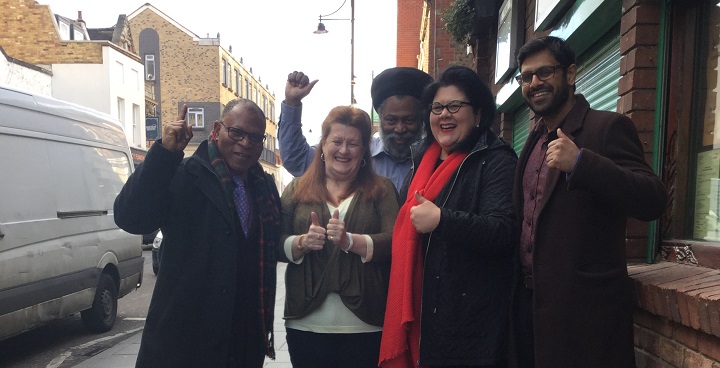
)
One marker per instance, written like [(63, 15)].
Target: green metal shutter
[(598, 72), (521, 128)]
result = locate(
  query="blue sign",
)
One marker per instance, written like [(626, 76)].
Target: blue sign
[(152, 129)]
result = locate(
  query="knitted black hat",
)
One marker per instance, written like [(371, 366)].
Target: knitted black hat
[(398, 81)]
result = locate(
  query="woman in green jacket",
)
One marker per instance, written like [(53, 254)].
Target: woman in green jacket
[(337, 222)]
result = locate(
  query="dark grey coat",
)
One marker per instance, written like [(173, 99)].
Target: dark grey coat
[(190, 317)]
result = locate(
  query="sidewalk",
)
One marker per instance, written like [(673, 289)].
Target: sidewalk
[(124, 354)]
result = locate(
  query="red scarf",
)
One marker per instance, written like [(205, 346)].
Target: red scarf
[(401, 331)]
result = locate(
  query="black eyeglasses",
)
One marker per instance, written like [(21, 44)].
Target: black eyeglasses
[(238, 134), (543, 73), (452, 106)]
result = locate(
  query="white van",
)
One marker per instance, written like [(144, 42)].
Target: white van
[(61, 167)]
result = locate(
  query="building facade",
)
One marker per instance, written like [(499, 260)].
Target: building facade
[(99, 74), (184, 68), (25, 76)]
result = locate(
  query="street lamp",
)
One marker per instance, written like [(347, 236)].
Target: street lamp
[(321, 30)]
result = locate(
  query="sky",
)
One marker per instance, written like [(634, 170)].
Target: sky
[(275, 37)]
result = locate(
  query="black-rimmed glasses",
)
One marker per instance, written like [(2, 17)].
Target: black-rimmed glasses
[(238, 134), (452, 106), (543, 73)]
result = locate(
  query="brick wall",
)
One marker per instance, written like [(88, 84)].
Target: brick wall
[(677, 320), (423, 62), (409, 16), (190, 70), (186, 70), (29, 34), (639, 29), (442, 51)]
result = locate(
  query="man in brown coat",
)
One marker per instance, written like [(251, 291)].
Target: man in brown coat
[(579, 176)]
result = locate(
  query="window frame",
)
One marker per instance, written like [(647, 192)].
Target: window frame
[(683, 137), (511, 11), (225, 77), (238, 82), (195, 114), (548, 11), (150, 64)]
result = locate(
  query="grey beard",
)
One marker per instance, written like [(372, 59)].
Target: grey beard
[(395, 151)]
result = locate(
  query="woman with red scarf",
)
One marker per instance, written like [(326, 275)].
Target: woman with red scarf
[(450, 280)]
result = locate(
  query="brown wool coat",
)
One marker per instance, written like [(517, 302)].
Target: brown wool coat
[(582, 304)]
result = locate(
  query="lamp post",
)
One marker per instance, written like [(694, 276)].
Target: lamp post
[(321, 30)]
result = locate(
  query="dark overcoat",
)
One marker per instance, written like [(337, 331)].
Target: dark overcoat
[(191, 312), (582, 305), (467, 263)]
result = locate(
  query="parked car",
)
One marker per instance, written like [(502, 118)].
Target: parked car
[(61, 252), (156, 252), (148, 239)]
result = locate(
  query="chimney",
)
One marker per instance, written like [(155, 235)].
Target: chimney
[(80, 17)]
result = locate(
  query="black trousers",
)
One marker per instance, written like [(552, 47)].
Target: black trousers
[(320, 350), (524, 328)]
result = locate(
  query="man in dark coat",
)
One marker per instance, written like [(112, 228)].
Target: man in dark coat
[(579, 176), (219, 214)]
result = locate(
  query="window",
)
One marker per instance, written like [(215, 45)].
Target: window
[(136, 78), (706, 216), (265, 106), (196, 117), (120, 71), (225, 76), (547, 11), (150, 67), (64, 31), (77, 35), (256, 98), (121, 109), (690, 227), (510, 31), (247, 88), (238, 87), (137, 129)]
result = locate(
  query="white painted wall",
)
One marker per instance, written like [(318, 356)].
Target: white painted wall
[(99, 86), (24, 78)]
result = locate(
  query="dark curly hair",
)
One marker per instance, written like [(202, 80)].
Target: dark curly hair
[(477, 92), (558, 48)]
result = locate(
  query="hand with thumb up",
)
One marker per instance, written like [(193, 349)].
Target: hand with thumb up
[(425, 217), (336, 231), (562, 153), (315, 237)]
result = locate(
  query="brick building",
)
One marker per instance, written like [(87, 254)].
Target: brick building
[(103, 74), (422, 41), (655, 61), (185, 68)]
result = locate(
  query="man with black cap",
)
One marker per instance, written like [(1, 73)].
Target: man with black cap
[(396, 97)]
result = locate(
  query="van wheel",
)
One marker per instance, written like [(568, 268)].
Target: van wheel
[(101, 316)]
